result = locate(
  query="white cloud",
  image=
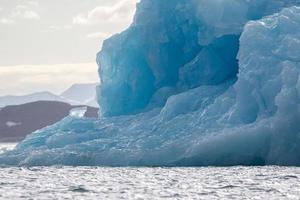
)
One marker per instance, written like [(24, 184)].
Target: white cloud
[(29, 14), (33, 3), (119, 12), (54, 39), (55, 28), (25, 12), (22, 11), (98, 35), (52, 29), (6, 21), (54, 78)]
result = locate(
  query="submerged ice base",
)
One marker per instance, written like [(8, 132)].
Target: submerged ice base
[(192, 83)]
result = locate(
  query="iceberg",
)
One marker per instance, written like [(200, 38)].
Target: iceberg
[(192, 83)]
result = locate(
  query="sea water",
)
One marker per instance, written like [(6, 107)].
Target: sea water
[(59, 182)]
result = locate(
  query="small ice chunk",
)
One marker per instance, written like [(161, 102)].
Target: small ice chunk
[(12, 124), (78, 112)]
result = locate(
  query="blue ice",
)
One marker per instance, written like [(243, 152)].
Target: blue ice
[(192, 83)]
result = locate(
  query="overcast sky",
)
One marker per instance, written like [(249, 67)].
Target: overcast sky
[(50, 44)]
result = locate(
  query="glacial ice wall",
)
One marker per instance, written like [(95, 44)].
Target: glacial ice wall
[(174, 47), (192, 83)]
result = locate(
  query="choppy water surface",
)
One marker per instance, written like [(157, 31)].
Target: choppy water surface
[(149, 183)]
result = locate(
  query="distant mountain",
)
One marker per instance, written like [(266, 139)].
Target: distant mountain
[(84, 94), (18, 121), (77, 94), (40, 96)]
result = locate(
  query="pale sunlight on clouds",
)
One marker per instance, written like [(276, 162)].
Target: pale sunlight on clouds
[(19, 80), (37, 36), (119, 12), (98, 35), (59, 31)]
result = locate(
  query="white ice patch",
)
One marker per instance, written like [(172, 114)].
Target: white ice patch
[(12, 124), (78, 112)]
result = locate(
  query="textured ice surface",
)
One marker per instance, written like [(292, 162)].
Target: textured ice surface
[(180, 45), (195, 82)]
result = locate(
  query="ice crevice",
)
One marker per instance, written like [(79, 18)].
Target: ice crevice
[(192, 83)]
